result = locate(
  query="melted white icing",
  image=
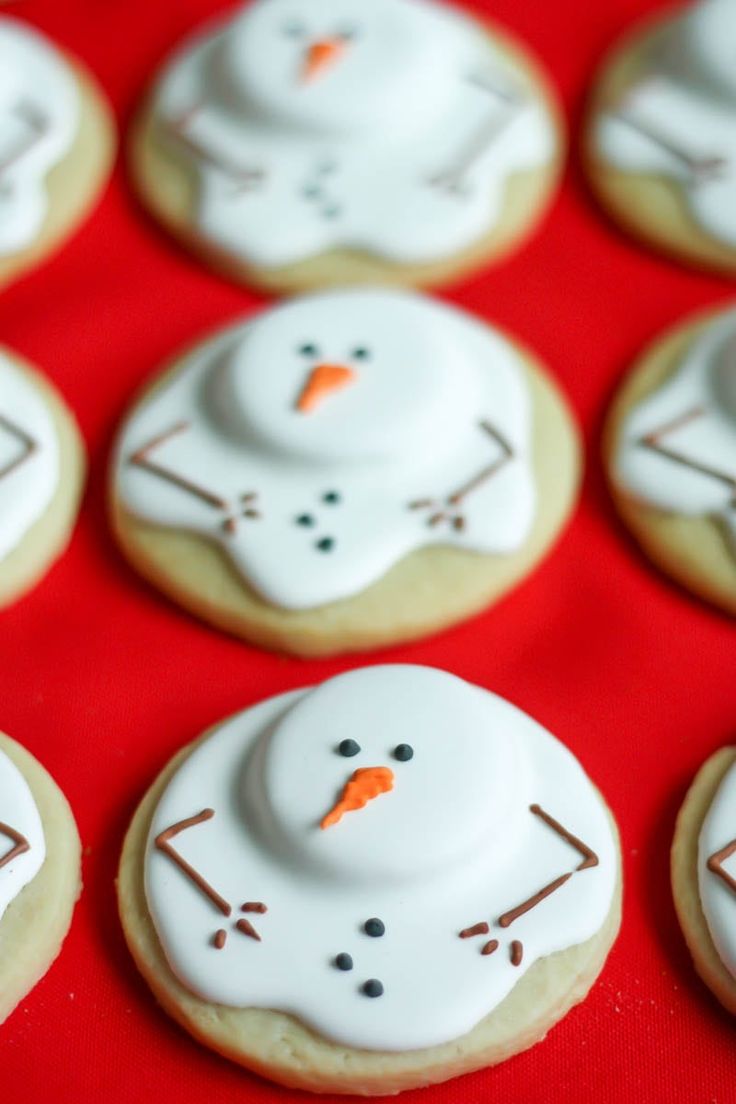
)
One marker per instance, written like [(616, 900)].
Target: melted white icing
[(402, 146), (453, 844), (717, 900), (680, 120), (29, 456), (38, 120), (705, 382), (19, 812), (408, 428)]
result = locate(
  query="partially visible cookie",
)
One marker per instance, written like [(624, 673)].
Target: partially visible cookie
[(345, 471), (703, 881), (57, 142), (414, 881), (660, 144), (297, 146), (39, 872), (670, 450), (42, 465)]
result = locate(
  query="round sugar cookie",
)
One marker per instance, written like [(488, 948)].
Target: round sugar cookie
[(57, 142), (295, 146), (702, 870), (670, 449), (315, 888), (42, 468), (660, 143), (40, 879), (345, 471)]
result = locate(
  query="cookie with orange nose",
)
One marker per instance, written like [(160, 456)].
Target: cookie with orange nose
[(296, 145), (316, 888), (344, 471)]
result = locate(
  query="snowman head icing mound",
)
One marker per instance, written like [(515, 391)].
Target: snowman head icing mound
[(384, 857), (391, 127), (321, 443)]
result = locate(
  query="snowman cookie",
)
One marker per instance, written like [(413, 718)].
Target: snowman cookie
[(347, 470), (39, 872), (703, 873), (317, 890), (56, 146), (300, 144), (42, 467), (661, 144), (671, 452)]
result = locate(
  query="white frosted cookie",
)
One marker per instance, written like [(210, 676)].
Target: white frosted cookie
[(56, 146), (661, 142), (671, 454), (39, 872), (704, 873), (377, 883), (297, 145), (346, 470), (42, 467)]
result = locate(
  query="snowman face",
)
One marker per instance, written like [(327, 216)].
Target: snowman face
[(357, 795), (359, 375), (341, 66), (712, 38)]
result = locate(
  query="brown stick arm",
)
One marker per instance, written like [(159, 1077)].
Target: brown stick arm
[(30, 446), (655, 438), (142, 458)]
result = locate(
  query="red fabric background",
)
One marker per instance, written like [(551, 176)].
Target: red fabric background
[(103, 680)]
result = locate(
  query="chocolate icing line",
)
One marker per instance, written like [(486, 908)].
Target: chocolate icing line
[(219, 939), (142, 459), (246, 928), (254, 906), (163, 843), (589, 859), (39, 125), (477, 929), (517, 952), (489, 947), (30, 446), (653, 441), (714, 865), (20, 844), (700, 167), (245, 177)]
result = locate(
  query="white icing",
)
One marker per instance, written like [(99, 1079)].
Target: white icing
[(396, 148), (705, 381), (680, 120), (407, 428), (29, 455), (19, 812), (717, 900), (38, 121), (454, 843)]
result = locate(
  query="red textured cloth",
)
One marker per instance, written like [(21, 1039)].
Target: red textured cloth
[(103, 680)]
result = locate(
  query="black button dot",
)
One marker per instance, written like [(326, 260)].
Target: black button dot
[(344, 961), (348, 748), (306, 520), (403, 752), (311, 191), (331, 212), (361, 353), (332, 498), (373, 988), (308, 349), (327, 167), (374, 927), (326, 544)]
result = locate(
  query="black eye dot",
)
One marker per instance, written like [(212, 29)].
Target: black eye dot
[(344, 961), (331, 497), (347, 34), (348, 748), (403, 752), (374, 927), (294, 30), (361, 353), (308, 349), (373, 988)]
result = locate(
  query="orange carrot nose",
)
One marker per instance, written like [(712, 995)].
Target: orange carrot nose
[(321, 55), (322, 381), (363, 785)]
